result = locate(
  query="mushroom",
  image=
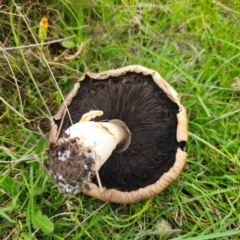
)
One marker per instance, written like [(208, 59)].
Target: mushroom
[(119, 136)]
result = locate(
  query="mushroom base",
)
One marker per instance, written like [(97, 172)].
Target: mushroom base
[(71, 166)]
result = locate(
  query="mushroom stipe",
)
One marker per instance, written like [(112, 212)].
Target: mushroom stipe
[(147, 112)]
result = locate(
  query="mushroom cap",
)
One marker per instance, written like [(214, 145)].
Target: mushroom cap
[(151, 109)]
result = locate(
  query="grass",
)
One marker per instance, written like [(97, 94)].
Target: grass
[(194, 46)]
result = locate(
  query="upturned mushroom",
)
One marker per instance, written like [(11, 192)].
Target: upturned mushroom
[(119, 136)]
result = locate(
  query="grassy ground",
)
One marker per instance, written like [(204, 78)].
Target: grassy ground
[(194, 46)]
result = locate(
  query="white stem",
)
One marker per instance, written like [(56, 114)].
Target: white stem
[(98, 138)]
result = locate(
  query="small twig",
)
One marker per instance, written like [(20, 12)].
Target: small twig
[(60, 127), (42, 134), (15, 79), (9, 235), (18, 113), (36, 44), (225, 7), (99, 181), (75, 55), (15, 161)]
